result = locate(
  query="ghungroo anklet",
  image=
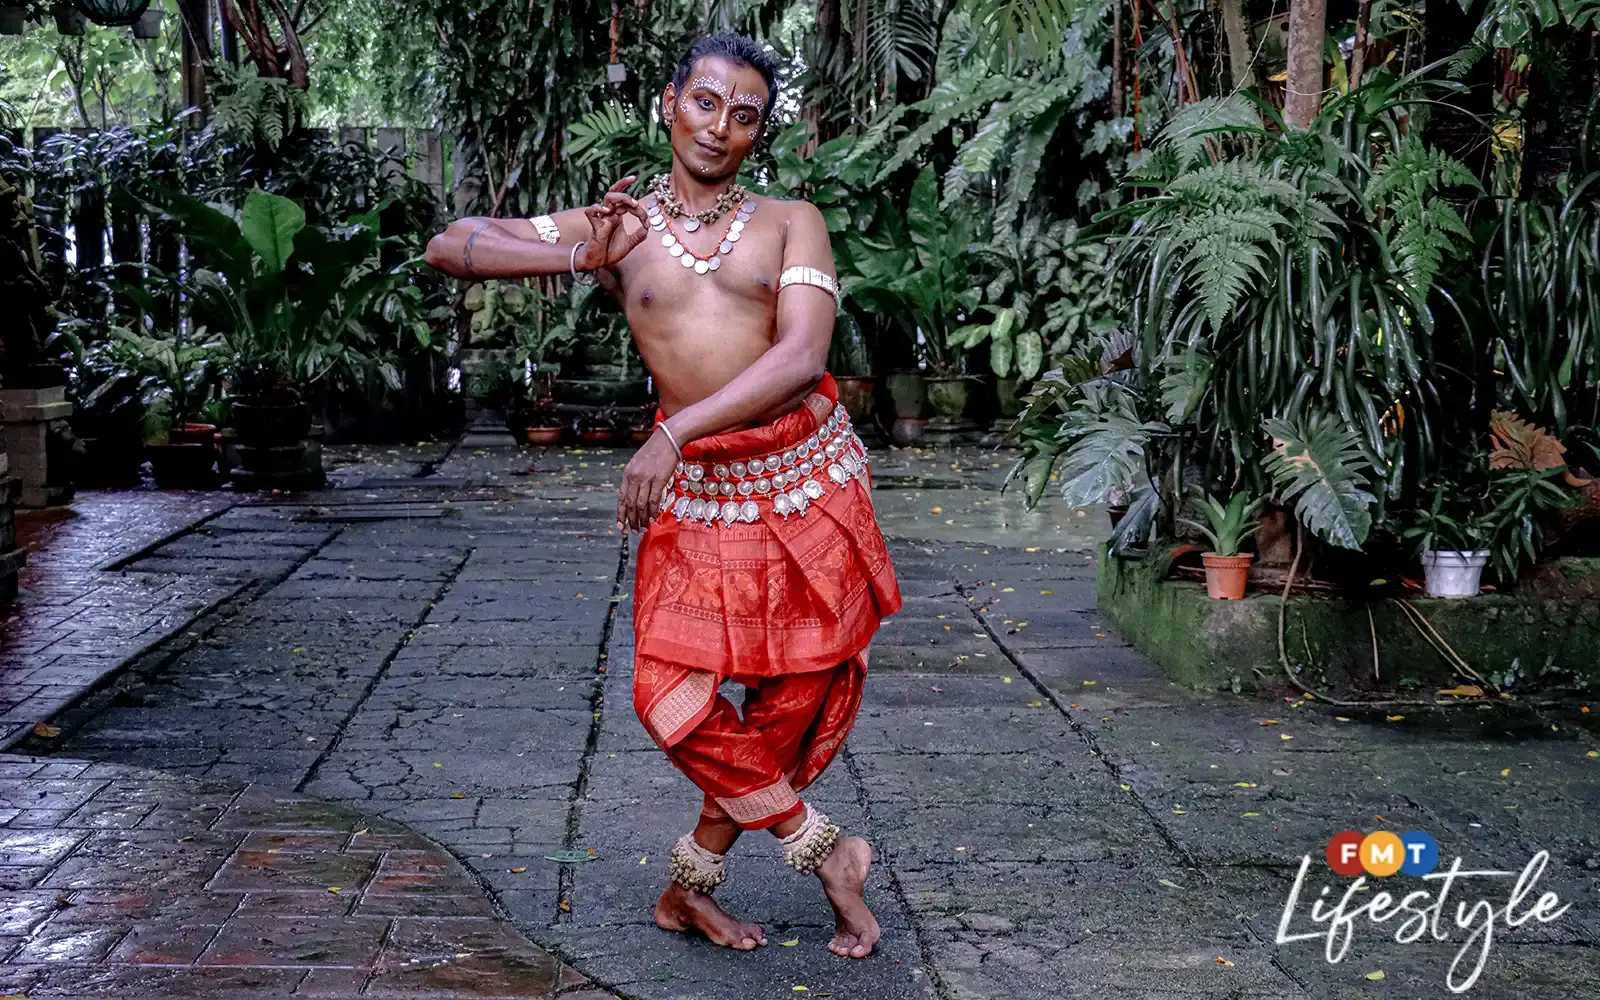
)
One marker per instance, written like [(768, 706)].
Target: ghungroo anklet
[(808, 847), (696, 868)]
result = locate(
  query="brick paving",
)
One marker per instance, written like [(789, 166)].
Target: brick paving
[(77, 617), (126, 883), (449, 652)]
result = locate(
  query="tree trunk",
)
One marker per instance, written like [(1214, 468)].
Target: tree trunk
[(1239, 54), (1307, 27), (1358, 58), (196, 54)]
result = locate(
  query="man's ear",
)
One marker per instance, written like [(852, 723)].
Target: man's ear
[(669, 104)]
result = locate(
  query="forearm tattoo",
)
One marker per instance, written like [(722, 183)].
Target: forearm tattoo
[(466, 251)]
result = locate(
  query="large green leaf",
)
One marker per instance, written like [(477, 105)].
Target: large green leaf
[(1108, 450), (269, 223), (1030, 354), (1318, 463)]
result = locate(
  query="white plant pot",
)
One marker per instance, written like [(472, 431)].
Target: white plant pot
[(1454, 574)]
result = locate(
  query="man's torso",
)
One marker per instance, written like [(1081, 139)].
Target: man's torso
[(696, 332)]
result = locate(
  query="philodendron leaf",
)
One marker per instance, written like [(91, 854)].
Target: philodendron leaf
[(1108, 452), (1000, 352), (269, 223), (1030, 354), (1318, 462)]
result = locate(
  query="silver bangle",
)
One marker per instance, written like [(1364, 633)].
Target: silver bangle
[(672, 440), (572, 264)]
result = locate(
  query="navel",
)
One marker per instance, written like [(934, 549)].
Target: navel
[(646, 297)]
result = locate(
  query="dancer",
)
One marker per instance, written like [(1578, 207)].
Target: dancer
[(762, 561)]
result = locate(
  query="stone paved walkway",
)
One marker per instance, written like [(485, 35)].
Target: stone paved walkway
[(445, 644)]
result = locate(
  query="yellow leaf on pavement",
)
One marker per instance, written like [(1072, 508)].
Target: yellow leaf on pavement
[(1505, 772), (1464, 691), (1375, 976), (789, 943)]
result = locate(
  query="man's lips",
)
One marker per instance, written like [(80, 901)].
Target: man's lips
[(711, 149)]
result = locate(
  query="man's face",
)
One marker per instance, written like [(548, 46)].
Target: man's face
[(717, 117)]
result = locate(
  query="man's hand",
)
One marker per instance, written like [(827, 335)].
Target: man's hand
[(644, 482), (610, 241)]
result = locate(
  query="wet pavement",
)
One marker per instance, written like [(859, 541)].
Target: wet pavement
[(121, 882), (443, 643)]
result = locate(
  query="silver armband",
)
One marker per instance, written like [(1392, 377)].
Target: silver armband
[(800, 275), (547, 229)]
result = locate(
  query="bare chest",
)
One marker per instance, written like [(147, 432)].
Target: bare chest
[(676, 270)]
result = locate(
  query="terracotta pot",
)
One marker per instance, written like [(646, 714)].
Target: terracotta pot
[(1226, 575), (544, 435), (193, 434), (856, 395), (598, 435)]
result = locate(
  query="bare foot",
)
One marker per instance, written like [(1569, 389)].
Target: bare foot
[(844, 879), (682, 910)]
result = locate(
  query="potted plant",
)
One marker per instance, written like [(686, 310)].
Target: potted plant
[(1227, 569), (1485, 518), (851, 365), (913, 272), (282, 295), (179, 372)]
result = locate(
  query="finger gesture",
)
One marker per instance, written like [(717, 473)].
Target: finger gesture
[(610, 240)]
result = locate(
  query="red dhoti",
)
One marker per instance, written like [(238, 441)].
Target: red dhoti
[(767, 567)]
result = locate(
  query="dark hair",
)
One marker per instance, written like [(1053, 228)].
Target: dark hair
[(735, 48)]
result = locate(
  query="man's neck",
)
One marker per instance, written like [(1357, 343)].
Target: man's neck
[(697, 193)]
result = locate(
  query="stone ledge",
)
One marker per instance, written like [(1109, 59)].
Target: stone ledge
[(1522, 644)]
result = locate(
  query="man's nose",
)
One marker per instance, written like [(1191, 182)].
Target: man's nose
[(723, 122)]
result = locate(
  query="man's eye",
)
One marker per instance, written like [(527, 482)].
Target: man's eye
[(705, 102)]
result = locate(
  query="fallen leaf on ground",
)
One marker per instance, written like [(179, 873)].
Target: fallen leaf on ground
[(1271, 722), (518, 871), (1005, 680), (459, 795), (1375, 976), (46, 730), (1285, 736), (789, 943), (1505, 772), (800, 989), (1464, 691), (566, 907), (335, 889), (1394, 718), (1170, 884), (1090, 683), (1250, 814), (1244, 784), (1594, 753), (1221, 961), (570, 857)]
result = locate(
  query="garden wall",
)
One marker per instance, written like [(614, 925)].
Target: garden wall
[(1520, 644)]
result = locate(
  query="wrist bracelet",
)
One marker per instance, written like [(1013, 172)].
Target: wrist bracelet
[(670, 439), (572, 265)]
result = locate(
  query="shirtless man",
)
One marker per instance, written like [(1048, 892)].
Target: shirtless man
[(762, 561)]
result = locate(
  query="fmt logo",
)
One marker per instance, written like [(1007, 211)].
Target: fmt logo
[(1382, 853)]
